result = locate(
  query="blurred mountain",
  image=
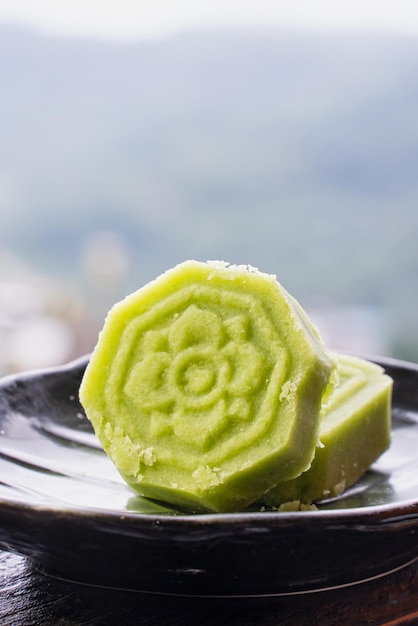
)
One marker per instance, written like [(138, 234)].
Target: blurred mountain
[(293, 152)]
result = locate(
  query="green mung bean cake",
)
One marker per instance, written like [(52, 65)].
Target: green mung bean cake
[(355, 430), (205, 386)]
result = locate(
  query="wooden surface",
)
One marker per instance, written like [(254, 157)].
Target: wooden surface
[(28, 598)]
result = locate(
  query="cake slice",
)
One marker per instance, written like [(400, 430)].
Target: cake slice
[(355, 430)]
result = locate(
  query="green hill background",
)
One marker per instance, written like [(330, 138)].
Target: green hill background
[(295, 153)]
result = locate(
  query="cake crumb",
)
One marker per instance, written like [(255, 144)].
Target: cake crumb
[(296, 505), (148, 456), (206, 476)]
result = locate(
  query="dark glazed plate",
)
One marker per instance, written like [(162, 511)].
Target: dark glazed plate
[(64, 506)]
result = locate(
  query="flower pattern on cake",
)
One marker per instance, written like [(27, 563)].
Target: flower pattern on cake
[(202, 367)]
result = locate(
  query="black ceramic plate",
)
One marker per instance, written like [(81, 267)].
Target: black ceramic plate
[(63, 505)]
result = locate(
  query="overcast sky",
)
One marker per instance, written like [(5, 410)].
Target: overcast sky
[(131, 19)]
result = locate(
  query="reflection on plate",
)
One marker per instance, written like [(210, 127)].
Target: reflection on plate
[(63, 505)]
